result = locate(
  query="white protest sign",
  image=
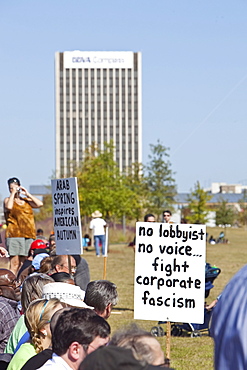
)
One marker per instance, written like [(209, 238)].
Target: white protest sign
[(170, 272), (66, 216)]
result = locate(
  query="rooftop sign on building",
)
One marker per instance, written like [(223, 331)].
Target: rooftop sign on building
[(98, 59)]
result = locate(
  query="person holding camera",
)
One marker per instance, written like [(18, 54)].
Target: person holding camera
[(19, 217)]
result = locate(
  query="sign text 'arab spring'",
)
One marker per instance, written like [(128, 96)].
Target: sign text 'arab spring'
[(66, 216), (169, 272)]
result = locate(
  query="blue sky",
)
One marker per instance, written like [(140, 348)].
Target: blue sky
[(194, 80)]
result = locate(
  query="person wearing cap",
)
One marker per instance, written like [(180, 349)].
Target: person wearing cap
[(38, 246), (70, 294), (98, 225), (20, 222), (67, 294)]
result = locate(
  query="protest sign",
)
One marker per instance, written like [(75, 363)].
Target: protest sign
[(169, 272), (66, 216)]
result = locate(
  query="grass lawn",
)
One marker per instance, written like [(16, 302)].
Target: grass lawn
[(186, 353)]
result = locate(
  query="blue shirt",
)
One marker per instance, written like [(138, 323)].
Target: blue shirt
[(229, 325)]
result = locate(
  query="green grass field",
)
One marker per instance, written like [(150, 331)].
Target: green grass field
[(186, 353)]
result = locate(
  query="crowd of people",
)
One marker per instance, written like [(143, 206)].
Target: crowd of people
[(51, 314), (47, 321)]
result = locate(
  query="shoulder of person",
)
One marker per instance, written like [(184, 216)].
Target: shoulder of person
[(5, 200)]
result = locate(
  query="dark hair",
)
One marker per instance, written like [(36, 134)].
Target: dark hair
[(147, 216), (100, 293), (51, 238), (40, 231), (61, 277), (15, 180), (112, 358), (167, 211), (78, 325)]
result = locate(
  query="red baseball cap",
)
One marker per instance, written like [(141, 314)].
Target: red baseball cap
[(37, 244)]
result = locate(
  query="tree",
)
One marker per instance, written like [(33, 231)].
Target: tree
[(135, 181), (45, 211), (161, 188), (243, 210), (102, 186), (198, 205), (224, 214)]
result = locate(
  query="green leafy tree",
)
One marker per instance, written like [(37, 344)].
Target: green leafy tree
[(161, 188), (242, 216), (135, 181), (197, 200), (45, 211), (224, 214), (101, 186)]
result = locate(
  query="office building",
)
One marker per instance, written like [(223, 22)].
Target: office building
[(98, 99)]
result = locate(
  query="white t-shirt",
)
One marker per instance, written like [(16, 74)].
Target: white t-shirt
[(56, 362), (97, 224)]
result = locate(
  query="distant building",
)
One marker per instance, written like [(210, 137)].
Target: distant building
[(220, 191), (98, 99), (223, 188)]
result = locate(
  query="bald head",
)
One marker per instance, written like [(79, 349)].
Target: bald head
[(9, 287), (144, 346)]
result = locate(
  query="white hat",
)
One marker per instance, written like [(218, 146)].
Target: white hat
[(67, 293), (96, 214)]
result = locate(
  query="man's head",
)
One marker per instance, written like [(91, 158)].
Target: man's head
[(37, 246), (102, 295), (77, 333), (9, 286), (167, 215), (61, 264), (149, 218), (112, 358), (144, 346)]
